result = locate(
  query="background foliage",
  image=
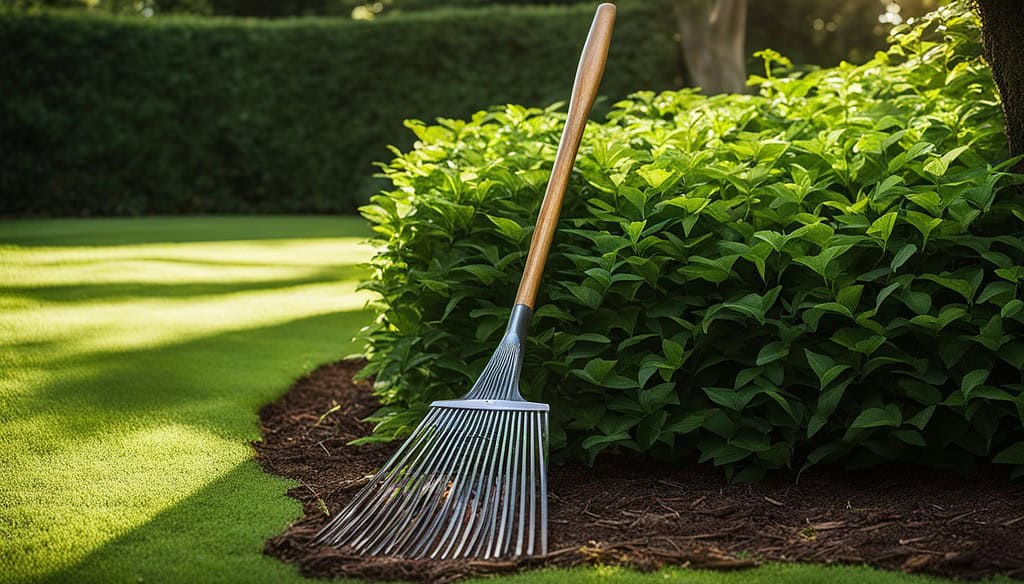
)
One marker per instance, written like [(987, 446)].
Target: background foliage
[(119, 115), (126, 115), (829, 270)]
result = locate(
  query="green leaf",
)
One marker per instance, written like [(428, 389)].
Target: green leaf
[(819, 363), (938, 166), (775, 239), (654, 176), (659, 396), (507, 227), (816, 423), (902, 256), (829, 399), (912, 437), (729, 454), (596, 371), (878, 417), (849, 296), (961, 286), (484, 273), (1012, 309), (772, 352), (784, 404), (998, 292), (972, 380), (587, 296), (715, 271), (920, 419), (925, 224), (858, 339), (592, 441), (634, 229), (882, 228), (823, 260), (745, 376), (649, 430), (1013, 454), (674, 352), (733, 399), (685, 425)]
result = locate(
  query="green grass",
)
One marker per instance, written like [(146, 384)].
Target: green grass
[(134, 355)]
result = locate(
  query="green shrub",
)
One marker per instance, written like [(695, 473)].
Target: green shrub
[(830, 270), (109, 115)]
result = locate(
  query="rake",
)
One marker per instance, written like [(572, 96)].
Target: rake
[(471, 480)]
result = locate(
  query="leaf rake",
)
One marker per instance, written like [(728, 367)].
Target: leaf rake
[(471, 480)]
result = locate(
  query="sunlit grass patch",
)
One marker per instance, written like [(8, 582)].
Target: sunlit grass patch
[(131, 373)]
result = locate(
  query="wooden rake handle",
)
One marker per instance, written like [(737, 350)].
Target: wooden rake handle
[(584, 91)]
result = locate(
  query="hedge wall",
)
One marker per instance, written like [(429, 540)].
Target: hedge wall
[(108, 115)]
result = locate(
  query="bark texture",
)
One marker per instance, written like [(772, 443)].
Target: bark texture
[(712, 35), (1003, 41)]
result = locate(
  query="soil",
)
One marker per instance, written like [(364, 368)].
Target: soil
[(647, 516)]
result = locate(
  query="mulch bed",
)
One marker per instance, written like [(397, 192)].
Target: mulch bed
[(647, 516)]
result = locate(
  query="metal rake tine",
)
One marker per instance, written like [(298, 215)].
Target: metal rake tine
[(338, 523), (507, 514), (465, 493), (434, 519), (432, 514), (483, 486), (439, 437), (398, 512), (533, 481), (498, 492), (522, 493), (354, 507), (484, 492), (413, 536), (394, 486), (542, 452), (485, 388)]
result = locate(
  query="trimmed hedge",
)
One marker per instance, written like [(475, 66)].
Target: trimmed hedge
[(109, 115), (831, 270), (795, 28)]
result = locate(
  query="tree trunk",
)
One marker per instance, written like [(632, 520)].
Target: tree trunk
[(712, 34), (1002, 25)]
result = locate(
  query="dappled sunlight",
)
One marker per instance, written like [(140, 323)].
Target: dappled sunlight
[(235, 261), (149, 323), (130, 376), (87, 492), (125, 298)]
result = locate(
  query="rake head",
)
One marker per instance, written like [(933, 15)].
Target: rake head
[(471, 480)]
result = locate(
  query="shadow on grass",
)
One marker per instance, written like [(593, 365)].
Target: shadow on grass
[(205, 382), (146, 230), (74, 293), (216, 534)]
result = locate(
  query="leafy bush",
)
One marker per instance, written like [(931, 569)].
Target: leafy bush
[(827, 271), (108, 115)]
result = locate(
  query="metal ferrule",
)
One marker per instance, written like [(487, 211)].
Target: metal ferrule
[(518, 324)]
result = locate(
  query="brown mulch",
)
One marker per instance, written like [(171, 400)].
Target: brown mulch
[(647, 516)]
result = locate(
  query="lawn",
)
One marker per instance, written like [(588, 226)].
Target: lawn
[(135, 354)]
